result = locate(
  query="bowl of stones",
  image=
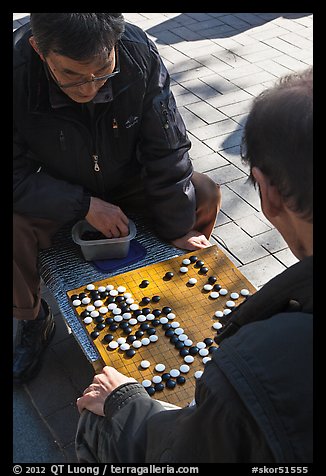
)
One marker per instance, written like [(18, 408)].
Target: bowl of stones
[(95, 246)]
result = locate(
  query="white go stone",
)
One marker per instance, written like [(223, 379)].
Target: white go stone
[(113, 344), (150, 317), (109, 287), (103, 310), (170, 316), (113, 292), (192, 280), (183, 269), (118, 318), (188, 359), (116, 311), (76, 302), (145, 364), (130, 300), (223, 292), (178, 331), (157, 379), (101, 289), (234, 295), (186, 261), (153, 338), (95, 314), (126, 315), (214, 295), (175, 324), (88, 320), (86, 300), (125, 346), (141, 318), (137, 344), (146, 383), (159, 367), (133, 321), (183, 337), (201, 345), (226, 312), (217, 325), (208, 287), (184, 368), (174, 372), (164, 320), (121, 289), (90, 287), (98, 303), (244, 292), (198, 374), (145, 341), (218, 314), (134, 307), (90, 308), (188, 342), (206, 359), (121, 340), (112, 306), (127, 295), (203, 352), (230, 303)]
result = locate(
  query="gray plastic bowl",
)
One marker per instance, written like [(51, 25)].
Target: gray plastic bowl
[(102, 249)]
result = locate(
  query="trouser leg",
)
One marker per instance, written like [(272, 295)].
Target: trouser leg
[(29, 236), (208, 203)]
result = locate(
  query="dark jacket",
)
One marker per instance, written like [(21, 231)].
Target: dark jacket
[(136, 129), (253, 401)]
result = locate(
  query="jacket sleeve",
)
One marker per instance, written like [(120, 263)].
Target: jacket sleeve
[(163, 151), (38, 194)]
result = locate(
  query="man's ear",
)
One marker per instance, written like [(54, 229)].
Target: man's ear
[(35, 47), (271, 200)]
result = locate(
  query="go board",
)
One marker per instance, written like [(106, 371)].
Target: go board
[(118, 309)]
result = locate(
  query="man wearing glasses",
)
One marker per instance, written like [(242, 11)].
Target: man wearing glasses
[(96, 131)]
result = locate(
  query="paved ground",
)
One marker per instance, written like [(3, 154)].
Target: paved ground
[(218, 63)]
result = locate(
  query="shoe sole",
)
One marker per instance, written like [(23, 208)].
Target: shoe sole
[(34, 370)]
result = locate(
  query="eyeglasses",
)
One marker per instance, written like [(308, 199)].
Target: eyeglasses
[(93, 80)]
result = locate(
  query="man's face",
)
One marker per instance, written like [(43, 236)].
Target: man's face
[(69, 73)]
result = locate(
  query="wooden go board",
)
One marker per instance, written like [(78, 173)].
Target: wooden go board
[(193, 307)]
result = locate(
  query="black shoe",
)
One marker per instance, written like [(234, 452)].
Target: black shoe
[(34, 338)]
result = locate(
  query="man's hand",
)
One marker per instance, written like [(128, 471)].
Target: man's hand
[(107, 218), (94, 396), (192, 241)]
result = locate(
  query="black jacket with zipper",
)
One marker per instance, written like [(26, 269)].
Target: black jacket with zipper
[(62, 156)]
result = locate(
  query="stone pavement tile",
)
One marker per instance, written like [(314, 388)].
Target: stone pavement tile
[(235, 109), (272, 240), (51, 389), (253, 225), (245, 249), (208, 162), (274, 67), (225, 126), (233, 97), (261, 271), (206, 112), (197, 71), (221, 219), (244, 188), (190, 119), (33, 441), (215, 240), (198, 148), (233, 205), (200, 89), (225, 141), (225, 174), (63, 423), (286, 257)]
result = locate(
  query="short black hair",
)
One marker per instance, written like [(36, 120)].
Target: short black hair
[(278, 139), (79, 36)]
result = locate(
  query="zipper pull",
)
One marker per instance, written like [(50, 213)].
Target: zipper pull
[(166, 125), (115, 128), (62, 141), (95, 160)]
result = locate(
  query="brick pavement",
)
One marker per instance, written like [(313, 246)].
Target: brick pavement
[(218, 63)]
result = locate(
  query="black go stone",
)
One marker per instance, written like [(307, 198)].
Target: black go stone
[(174, 339), (156, 312), (82, 296), (144, 326), (179, 345), (110, 299), (183, 352), (193, 350), (155, 322), (146, 300), (170, 383), (139, 334), (108, 338), (74, 296), (123, 325), (130, 353), (212, 349), (137, 312), (94, 334), (109, 320), (212, 279), (166, 310), (208, 341), (113, 326), (127, 330), (124, 308), (144, 283), (100, 326), (104, 294), (169, 275), (156, 298), (150, 390), (84, 314), (217, 287), (169, 332), (193, 259), (119, 299), (199, 263), (151, 331), (166, 376), (131, 338), (166, 326), (99, 319), (180, 379), (145, 311), (159, 387), (203, 270)]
